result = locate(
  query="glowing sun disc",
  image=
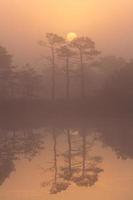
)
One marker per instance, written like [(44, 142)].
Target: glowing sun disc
[(71, 36)]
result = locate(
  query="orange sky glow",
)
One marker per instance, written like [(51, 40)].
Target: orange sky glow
[(108, 22)]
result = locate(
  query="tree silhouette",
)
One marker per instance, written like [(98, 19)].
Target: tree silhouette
[(5, 59), (86, 48), (28, 82), (67, 53), (54, 41), (5, 72)]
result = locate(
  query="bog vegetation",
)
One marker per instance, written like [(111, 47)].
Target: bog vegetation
[(73, 72)]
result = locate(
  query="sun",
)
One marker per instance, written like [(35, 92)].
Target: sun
[(71, 36)]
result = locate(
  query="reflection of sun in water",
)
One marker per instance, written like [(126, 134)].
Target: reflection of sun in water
[(71, 36)]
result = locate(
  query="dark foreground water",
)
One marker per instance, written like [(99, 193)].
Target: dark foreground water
[(68, 159)]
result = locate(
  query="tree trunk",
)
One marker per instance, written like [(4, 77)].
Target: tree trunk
[(69, 152), (84, 154), (82, 76), (67, 79), (53, 74), (55, 156)]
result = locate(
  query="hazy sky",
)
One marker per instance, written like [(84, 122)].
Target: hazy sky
[(108, 22)]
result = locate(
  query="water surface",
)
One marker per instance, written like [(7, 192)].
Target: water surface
[(68, 160)]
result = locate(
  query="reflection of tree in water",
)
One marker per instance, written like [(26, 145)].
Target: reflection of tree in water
[(68, 170), (90, 171), (118, 134), (6, 167), (80, 167), (57, 186), (83, 173), (6, 158), (32, 143), (13, 145)]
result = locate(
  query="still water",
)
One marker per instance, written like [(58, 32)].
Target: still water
[(60, 161)]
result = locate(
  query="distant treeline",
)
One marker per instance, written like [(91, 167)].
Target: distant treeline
[(72, 70)]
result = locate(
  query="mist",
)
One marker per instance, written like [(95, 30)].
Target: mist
[(24, 23), (66, 99)]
